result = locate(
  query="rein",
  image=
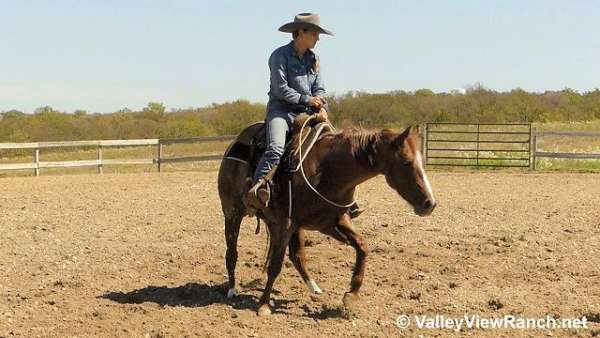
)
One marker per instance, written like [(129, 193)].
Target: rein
[(306, 179)]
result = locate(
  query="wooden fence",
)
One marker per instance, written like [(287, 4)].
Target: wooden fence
[(100, 145), (537, 154), (160, 159)]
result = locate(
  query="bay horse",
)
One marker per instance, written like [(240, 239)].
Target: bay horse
[(336, 164)]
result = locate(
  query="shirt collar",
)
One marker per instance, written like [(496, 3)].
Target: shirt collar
[(293, 50)]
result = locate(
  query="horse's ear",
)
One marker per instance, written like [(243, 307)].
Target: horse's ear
[(399, 140), (411, 131)]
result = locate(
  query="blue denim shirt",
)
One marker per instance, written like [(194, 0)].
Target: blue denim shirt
[(293, 80)]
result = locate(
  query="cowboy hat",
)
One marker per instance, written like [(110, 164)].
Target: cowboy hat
[(309, 21)]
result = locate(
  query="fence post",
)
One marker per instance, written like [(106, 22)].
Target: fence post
[(534, 149), (531, 151), (37, 162), (99, 159), (424, 142), (478, 146), (159, 155)]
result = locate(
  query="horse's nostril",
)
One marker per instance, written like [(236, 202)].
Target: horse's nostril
[(427, 204)]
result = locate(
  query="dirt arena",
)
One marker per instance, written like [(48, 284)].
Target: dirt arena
[(142, 255)]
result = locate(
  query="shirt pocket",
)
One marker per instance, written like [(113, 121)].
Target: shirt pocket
[(297, 78), (312, 78)]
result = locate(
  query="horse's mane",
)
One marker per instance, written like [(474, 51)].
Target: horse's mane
[(363, 143)]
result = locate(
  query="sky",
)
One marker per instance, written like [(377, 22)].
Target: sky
[(102, 56)]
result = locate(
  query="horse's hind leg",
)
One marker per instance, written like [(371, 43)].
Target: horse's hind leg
[(298, 257), (232, 231), (279, 239)]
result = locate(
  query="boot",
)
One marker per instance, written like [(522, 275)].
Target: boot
[(258, 196), (355, 211)]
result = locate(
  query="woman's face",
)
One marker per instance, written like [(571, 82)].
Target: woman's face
[(309, 38)]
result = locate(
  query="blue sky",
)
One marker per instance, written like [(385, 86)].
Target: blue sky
[(102, 56)]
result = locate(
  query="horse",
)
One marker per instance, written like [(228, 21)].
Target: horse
[(317, 198)]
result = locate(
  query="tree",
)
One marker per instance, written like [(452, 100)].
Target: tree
[(79, 113), (12, 114), (154, 111)]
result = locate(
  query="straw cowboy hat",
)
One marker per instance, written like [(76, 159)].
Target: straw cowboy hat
[(308, 21)]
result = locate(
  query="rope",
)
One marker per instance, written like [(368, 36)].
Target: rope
[(306, 179)]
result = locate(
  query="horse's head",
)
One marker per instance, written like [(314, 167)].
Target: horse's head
[(404, 171)]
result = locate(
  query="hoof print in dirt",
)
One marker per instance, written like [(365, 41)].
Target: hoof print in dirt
[(495, 304)]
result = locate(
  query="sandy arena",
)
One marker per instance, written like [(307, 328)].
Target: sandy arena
[(142, 255)]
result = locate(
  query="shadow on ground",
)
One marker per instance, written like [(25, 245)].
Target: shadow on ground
[(190, 295)]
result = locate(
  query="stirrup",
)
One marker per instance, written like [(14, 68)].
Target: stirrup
[(355, 211), (259, 195)]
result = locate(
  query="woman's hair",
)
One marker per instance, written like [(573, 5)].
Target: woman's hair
[(315, 65)]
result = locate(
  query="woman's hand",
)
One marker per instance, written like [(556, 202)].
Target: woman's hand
[(316, 102), (321, 116)]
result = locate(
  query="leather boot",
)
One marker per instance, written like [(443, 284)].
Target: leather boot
[(259, 195)]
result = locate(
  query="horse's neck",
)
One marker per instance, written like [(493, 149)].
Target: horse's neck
[(345, 170)]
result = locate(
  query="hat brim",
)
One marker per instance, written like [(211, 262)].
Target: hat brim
[(291, 27)]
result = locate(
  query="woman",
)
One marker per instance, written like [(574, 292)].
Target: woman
[(296, 87)]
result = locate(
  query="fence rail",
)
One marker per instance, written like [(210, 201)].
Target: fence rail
[(546, 154), (100, 145), (432, 146)]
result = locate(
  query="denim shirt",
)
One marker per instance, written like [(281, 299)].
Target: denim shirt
[(293, 80)]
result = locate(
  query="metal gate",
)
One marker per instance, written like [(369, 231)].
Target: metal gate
[(478, 144)]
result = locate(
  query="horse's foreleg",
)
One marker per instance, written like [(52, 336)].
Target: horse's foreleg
[(280, 240), (344, 232), (232, 230), (298, 257)]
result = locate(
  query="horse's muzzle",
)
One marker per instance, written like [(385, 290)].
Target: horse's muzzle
[(426, 208)]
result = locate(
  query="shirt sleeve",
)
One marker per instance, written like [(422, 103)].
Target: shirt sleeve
[(279, 83)]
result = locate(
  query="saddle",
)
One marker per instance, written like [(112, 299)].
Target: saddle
[(251, 143)]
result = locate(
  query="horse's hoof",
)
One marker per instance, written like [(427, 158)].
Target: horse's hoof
[(349, 299), (314, 287), (231, 293), (264, 310)]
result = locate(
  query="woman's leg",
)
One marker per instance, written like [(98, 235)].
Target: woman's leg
[(277, 130), (278, 126)]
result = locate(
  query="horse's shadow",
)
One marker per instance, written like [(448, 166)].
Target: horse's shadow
[(326, 313), (189, 295)]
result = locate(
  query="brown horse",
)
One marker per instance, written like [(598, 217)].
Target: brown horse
[(335, 166)]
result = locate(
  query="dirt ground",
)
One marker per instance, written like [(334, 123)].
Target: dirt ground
[(142, 255)]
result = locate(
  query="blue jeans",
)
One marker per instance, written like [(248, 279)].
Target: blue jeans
[(279, 124)]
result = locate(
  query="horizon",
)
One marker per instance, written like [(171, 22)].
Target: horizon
[(456, 91), (104, 56)]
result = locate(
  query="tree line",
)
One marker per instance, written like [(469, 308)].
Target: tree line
[(396, 108)]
